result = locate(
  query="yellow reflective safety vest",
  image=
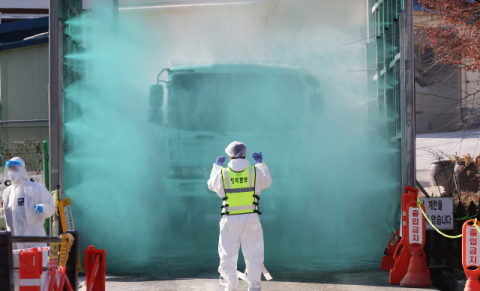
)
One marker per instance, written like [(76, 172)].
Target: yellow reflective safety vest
[(239, 189)]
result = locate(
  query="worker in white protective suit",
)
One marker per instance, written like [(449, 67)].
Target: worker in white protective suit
[(27, 205), (239, 186)]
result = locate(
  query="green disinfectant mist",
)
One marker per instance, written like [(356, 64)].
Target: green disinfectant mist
[(275, 76)]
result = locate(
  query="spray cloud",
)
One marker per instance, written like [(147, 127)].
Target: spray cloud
[(139, 189)]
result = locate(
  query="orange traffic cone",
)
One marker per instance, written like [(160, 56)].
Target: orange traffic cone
[(472, 283), (416, 276), (415, 240), (388, 261)]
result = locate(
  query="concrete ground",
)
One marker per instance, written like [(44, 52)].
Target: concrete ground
[(375, 280)]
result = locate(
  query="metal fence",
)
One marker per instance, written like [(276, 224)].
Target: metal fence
[(446, 252), (30, 151)]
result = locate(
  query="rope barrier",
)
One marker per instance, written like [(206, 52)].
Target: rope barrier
[(476, 225), (419, 204)]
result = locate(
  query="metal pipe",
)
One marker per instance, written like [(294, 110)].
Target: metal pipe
[(46, 171), (43, 268), (6, 261), (23, 121), (409, 89), (407, 94), (422, 189), (46, 174), (55, 92), (35, 239)]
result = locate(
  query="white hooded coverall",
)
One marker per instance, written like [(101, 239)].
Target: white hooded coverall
[(244, 229), (19, 200)]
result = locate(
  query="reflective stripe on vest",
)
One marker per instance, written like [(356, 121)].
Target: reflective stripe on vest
[(239, 191)]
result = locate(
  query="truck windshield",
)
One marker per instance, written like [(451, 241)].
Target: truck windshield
[(235, 102)]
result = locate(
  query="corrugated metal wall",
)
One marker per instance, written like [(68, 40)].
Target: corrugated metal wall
[(24, 92)]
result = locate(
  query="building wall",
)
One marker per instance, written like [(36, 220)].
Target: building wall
[(470, 84), (24, 4), (438, 105), (24, 92), (15, 10), (461, 87)]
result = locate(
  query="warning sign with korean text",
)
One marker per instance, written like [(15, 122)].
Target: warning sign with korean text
[(53, 255), (472, 255), (415, 225), (63, 251), (440, 212)]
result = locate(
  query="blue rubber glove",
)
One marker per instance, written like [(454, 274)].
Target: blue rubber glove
[(257, 157), (220, 161), (38, 208)]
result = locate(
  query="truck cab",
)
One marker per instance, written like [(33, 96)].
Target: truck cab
[(208, 106)]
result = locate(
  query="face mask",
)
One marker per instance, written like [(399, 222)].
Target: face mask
[(14, 176)]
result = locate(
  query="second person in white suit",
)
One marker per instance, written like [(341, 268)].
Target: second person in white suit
[(27, 205)]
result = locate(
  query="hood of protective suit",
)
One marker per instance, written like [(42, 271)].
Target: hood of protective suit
[(23, 175), (238, 165), (236, 149)]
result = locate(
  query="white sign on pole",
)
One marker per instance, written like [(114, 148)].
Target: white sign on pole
[(440, 212), (415, 226), (69, 217), (472, 255)]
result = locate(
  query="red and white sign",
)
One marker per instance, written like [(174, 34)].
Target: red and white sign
[(31, 250), (472, 242), (415, 226), (470, 254)]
